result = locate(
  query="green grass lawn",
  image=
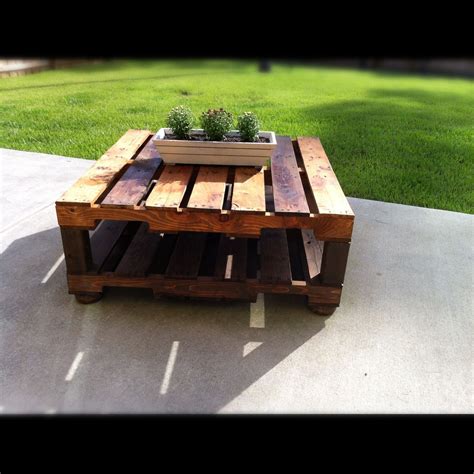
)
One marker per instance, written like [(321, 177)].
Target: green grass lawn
[(390, 137)]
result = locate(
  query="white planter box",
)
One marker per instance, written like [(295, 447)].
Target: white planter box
[(214, 153)]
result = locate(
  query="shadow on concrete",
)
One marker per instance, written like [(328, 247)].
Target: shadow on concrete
[(126, 340)]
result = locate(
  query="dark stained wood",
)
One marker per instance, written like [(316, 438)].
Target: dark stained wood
[(294, 250), (209, 188), (133, 184), (326, 227), (186, 258), (122, 244), (139, 255), (77, 250), (104, 239), (288, 192), (195, 236), (274, 257), (170, 187), (95, 181), (231, 262), (209, 256), (327, 191), (163, 254), (334, 261), (206, 287)]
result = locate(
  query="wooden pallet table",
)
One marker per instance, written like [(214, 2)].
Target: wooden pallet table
[(208, 231)]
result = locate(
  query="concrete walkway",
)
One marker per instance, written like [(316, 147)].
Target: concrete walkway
[(401, 342)]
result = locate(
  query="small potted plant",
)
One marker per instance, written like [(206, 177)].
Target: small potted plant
[(216, 143)]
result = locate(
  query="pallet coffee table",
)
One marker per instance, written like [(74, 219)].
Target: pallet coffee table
[(207, 231)]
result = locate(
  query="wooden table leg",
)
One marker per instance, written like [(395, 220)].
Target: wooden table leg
[(333, 269), (78, 257)]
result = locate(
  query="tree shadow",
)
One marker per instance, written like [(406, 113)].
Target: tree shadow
[(127, 340), (407, 146)]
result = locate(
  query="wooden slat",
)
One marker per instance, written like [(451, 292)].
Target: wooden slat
[(77, 250), (170, 187), (231, 262), (139, 255), (313, 250), (202, 288), (104, 239), (249, 190), (90, 186), (326, 227), (288, 189), (186, 257), (133, 184), (209, 188), (326, 189), (333, 265), (274, 256)]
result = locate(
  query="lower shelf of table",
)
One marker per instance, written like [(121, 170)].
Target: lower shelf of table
[(204, 265)]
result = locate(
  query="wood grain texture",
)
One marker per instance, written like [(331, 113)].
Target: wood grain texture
[(237, 248), (313, 250), (274, 257), (326, 227), (209, 188), (133, 184), (187, 254), (139, 255), (170, 187), (202, 287), (249, 190), (288, 192), (95, 181), (326, 189), (333, 264), (104, 239), (77, 250)]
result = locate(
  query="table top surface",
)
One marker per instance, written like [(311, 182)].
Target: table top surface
[(300, 182)]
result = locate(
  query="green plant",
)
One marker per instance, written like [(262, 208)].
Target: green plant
[(248, 126), (180, 120), (216, 123)]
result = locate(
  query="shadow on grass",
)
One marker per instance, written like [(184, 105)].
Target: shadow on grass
[(127, 340), (405, 146), (101, 81)]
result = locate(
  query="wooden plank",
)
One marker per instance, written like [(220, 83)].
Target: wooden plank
[(274, 257), (326, 227), (139, 255), (296, 263), (249, 190), (231, 262), (333, 265), (90, 186), (170, 187), (133, 184), (202, 287), (209, 188), (313, 250), (77, 250), (239, 263), (104, 239), (288, 192), (186, 258), (163, 254), (326, 189), (120, 247)]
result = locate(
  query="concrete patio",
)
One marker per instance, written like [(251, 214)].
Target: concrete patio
[(401, 342)]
